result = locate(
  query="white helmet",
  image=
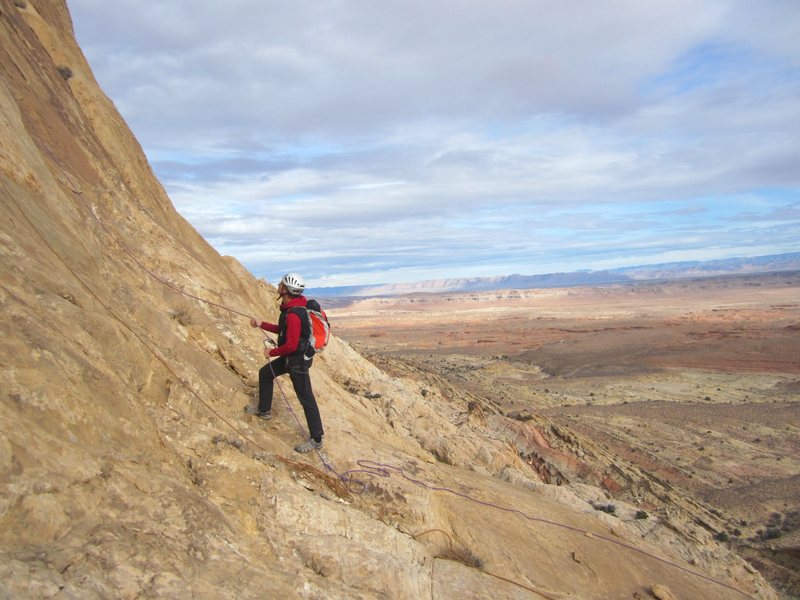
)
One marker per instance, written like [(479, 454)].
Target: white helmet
[(293, 283)]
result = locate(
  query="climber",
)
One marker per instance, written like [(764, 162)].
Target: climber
[(293, 331)]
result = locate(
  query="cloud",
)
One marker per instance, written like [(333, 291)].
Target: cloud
[(407, 138), (303, 68)]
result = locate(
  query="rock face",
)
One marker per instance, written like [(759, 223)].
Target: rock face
[(127, 468)]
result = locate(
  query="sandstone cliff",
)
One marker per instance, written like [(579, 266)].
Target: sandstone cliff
[(127, 468)]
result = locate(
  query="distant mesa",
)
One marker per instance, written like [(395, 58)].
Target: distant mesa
[(665, 271)]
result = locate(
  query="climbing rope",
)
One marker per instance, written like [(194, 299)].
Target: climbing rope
[(376, 469), (367, 467), (127, 326)]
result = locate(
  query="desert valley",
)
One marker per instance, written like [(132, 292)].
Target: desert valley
[(695, 383), (629, 442)]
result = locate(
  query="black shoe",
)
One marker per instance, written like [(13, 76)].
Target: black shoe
[(253, 410)]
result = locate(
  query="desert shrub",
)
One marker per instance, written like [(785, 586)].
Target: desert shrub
[(642, 514), (721, 536), (518, 416), (463, 555), (606, 508), (65, 71), (442, 454), (221, 439), (182, 315), (771, 533), (791, 521)]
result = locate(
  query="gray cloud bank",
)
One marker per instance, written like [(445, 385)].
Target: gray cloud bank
[(364, 142)]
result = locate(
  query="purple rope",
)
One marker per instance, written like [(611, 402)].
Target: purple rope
[(372, 468)]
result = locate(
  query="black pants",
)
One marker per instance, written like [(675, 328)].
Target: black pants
[(297, 367)]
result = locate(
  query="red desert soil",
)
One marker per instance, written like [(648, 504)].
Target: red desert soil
[(696, 382)]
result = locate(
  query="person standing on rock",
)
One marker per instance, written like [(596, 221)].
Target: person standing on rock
[(293, 329)]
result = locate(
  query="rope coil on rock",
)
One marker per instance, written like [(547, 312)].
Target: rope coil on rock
[(367, 467)]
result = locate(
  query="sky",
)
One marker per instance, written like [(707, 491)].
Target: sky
[(386, 141)]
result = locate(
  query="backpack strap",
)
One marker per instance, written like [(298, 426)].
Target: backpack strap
[(305, 344)]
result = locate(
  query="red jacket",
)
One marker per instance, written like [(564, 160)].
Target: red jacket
[(293, 326)]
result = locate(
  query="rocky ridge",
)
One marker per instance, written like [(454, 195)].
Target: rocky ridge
[(127, 468)]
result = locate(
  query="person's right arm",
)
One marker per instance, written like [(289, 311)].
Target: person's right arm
[(271, 327)]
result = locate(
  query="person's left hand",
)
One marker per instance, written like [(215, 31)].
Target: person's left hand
[(267, 352)]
